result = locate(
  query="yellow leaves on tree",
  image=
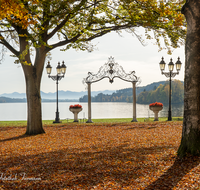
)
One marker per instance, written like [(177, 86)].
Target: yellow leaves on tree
[(15, 12), (164, 18)]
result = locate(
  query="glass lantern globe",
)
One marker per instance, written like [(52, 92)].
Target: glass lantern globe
[(48, 68), (58, 68), (63, 68), (178, 64), (162, 64), (171, 65)]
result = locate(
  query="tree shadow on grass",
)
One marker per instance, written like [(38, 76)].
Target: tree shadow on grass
[(143, 126), (26, 136), (73, 167), (15, 138), (9, 128), (175, 173)]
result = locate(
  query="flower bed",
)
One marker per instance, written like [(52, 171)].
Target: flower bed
[(156, 104), (156, 107), (75, 109), (75, 106)]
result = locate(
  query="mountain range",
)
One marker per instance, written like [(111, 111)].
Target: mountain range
[(71, 95), (61, 94)]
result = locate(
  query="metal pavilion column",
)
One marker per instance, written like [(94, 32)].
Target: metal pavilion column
[(89, 104), (134, 102)]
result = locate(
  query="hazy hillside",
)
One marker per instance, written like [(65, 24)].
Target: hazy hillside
[(126, 95), (61, 94), (18, 100), (122, 95), (161, 94), (149, 87), (11, 100)]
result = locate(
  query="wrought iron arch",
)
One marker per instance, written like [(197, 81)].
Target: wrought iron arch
[(111, 70)]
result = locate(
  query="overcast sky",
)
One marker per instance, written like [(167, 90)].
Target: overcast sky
[(127, 51)]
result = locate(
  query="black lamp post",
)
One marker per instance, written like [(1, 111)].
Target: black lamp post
[(170, 75), (60, 74)]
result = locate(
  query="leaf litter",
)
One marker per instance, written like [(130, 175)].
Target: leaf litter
[(97, 156)]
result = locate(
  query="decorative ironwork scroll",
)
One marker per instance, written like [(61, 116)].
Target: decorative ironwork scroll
[(170, 74), (56, 77), (111, 70)]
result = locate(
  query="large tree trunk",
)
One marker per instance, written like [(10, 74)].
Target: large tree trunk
[(34, 110), (33, 75), (190, 142)]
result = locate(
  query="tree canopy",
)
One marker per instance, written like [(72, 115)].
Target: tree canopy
[(77, 22)]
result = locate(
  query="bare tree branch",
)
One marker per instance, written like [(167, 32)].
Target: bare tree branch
[(56, 29), (5, 43), (1, 31), (64, 42)]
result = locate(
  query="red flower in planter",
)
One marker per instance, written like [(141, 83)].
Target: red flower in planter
[(158, 104), (75, 106)]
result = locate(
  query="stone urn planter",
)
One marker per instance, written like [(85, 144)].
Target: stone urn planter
[(75, 110), (156, 107)]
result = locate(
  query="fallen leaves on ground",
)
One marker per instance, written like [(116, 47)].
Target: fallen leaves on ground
[(97, 156)]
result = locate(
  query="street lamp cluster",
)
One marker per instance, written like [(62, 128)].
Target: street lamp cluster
[(170, 75), (60, 69), (60, 74)]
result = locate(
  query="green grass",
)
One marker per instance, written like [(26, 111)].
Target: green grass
[(116, 120), (12, 123), (110, 120)]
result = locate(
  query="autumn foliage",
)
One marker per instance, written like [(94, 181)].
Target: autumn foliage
[(156, 104), (16, 12), (97, 156)]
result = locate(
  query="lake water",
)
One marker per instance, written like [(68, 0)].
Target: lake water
[(18, 111)]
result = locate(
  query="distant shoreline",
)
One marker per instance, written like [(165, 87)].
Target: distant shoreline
[(23, 100), (53, 101)]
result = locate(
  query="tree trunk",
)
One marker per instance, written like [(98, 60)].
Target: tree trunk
[(33, 75), (190, 142), (34, 109)]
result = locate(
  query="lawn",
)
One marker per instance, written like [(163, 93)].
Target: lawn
[(110, 120), (101, 155)]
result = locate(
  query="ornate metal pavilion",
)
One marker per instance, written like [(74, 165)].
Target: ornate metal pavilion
[(111, 70)]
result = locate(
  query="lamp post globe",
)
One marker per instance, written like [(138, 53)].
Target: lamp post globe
[(63, 68), (178, 64), (48, 68), (58, 68), (162, 64), (171, 65)]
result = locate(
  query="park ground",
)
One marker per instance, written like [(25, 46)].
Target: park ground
[(101, 155)]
